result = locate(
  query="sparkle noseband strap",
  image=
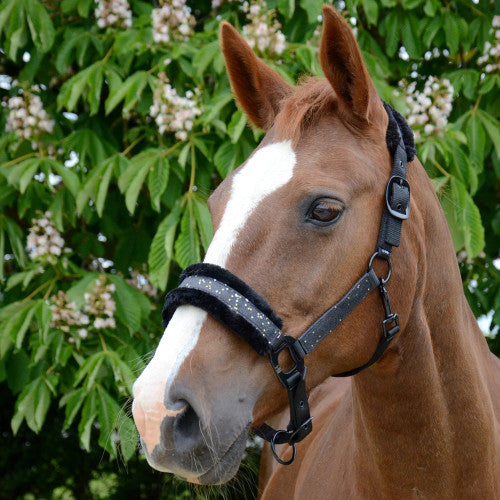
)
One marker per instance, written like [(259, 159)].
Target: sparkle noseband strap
[(235, 304)]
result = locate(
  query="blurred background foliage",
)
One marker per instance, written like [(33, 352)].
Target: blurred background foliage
[(117, 121)]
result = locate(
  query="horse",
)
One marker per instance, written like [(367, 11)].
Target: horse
[(298, 222)]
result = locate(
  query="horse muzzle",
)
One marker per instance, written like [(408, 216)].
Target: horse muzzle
[(181, 438)]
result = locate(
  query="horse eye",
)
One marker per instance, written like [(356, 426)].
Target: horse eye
[(325, 211)]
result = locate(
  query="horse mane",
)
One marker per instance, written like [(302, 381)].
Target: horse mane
[(314, 97)]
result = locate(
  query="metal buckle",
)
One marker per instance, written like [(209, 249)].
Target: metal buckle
[(399, 212), (389, 331), (288, 378)]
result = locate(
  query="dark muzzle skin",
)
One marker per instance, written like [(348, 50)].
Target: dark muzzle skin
[(203, 447)]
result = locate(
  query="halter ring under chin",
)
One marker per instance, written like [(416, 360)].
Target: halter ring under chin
[(242, 310)]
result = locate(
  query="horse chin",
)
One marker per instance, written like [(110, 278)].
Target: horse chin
[(228, 464), (222, 465)]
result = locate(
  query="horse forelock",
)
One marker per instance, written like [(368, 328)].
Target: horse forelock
[(309, 101)]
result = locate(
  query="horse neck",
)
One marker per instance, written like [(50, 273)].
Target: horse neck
[(427, 400)]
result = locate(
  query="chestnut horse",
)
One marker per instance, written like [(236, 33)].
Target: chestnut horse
[(298, 222)]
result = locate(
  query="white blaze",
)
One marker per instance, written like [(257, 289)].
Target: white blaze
[(268, 169)]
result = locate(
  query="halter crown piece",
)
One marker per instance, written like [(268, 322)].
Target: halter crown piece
[(242, 310)]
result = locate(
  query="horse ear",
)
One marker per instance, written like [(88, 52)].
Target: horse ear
[(344, 68), (258, 88)]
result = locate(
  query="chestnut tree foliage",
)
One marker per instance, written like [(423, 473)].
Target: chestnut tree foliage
[(117, 121)]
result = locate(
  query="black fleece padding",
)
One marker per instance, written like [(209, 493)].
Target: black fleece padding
[(219, 310), (392, 134), (205, 301), (225, 276)]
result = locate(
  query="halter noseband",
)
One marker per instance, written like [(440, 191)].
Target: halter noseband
[(242, 310)]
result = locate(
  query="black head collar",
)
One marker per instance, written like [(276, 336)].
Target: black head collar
[(242, 310)]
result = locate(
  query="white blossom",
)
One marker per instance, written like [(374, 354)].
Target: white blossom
[(171, 112), (140, 280), (113, 13), (172, 21), (428, 110), (65, 314), (44, 241), (27, 118), (100, 304), (490, 58), (263, 32)]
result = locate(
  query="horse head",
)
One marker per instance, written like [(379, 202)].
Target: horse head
[(298, 222)]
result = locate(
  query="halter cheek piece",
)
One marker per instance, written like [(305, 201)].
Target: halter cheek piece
[(242, 310)]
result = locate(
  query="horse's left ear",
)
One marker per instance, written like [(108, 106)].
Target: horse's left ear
[(344, 68)]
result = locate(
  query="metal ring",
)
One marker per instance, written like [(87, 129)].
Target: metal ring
[(275, 453), (385, 257)]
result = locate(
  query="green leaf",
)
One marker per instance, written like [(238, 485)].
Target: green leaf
[(451, 32), (410, 4), (313, 10), (87, 85), (161, 251), (309, 58), (225, 159), (130, 91), (128, 310), (69, 177), (21, 174), (17, 368), (286, 7), (187, 244), (121, 370), (410, 36), (492, 126), (431, 7), (32, 405), (41, 27), (184, 155), (92, 148), (13, 328), (108, 167), (476, 140), (236, 126), (132, 179), (89, 414), (7, 11), (371, 10), (430, 31), (128, 437), (97, 184), (216, 104), (2, 248), (16, 240), (158, 180), (393, 29), (469, 219), (205, 56), (72, 401), (107, 413), (204, 222), (90, 369)]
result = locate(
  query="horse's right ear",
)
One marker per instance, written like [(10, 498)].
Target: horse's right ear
[(257, 88)]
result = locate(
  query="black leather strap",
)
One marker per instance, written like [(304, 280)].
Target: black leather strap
[(337, 313), (397, 206)]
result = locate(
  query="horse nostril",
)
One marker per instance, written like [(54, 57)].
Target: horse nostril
[(187, 422), (187, 430)]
